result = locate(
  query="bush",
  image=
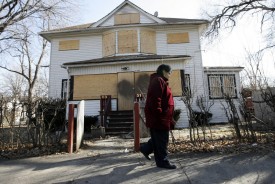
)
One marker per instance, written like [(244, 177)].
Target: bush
[(53, 112)]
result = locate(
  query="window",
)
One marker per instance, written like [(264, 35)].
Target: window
[(220, 85), (64, 88), (185, 84), (187, 88)]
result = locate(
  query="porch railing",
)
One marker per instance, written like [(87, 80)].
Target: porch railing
[(105, 108)]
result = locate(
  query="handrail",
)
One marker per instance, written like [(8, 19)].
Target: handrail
[(106, 110), (105, 107)]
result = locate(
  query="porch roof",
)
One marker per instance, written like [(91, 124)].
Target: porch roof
[(119, 59)]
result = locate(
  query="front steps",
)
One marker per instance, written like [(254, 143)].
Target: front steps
[(119, 123)]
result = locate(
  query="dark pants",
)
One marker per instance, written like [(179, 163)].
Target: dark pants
[(157, 144)]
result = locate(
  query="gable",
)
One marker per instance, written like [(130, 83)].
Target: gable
[(125, 14)]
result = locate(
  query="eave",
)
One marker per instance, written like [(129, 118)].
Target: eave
[(124, 59)]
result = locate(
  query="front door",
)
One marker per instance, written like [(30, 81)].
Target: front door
[(126, 91)]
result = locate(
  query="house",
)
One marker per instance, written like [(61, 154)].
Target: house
[(115, 56)]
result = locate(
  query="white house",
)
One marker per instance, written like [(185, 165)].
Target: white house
[(115, 55)]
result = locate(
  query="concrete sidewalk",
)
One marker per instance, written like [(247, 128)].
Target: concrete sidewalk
[(112, 161)]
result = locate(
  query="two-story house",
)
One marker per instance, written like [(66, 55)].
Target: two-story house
[(115, 56)]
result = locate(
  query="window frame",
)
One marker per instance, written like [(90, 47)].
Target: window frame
[(222, 86), (64, 90)]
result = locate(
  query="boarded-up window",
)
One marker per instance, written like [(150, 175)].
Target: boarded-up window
[(175, 83), (220, 85), (127, 41), (109, 44), (175, 38), (129, 18), (68, 45), (142, 80), (92, 86), (148, 41)]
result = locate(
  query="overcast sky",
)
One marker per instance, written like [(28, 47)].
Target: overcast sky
[(228, 51)]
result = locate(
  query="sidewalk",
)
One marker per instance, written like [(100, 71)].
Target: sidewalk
[(113, 161)]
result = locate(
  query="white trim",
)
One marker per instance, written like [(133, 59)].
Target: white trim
[(126, 62)]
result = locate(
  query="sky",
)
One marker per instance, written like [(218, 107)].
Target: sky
[(229, 50)]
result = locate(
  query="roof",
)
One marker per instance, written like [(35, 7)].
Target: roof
[(133, 58), (167, 20), (159, 21), (88, 27)]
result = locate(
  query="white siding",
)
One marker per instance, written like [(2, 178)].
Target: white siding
[(127, 9), (183, 122), (92, 107), (134, 67), (145, 20), (90, 48)]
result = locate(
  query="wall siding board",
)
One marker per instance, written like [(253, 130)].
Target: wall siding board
[(92, 107)]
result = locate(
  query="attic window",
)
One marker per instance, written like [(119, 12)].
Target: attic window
[(129, 18), (68, 45), (175, 38)]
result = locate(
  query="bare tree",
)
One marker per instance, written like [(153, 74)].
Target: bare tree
[(253, 70), (15, 13), (229, 15)]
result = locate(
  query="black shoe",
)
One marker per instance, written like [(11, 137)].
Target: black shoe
[(145, 155), (167, 166)]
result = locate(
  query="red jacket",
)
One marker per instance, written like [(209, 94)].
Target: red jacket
[(159, 107)]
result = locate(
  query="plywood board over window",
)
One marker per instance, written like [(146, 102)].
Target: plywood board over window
[(148, 41), (175, 38), (127, 41), (127, 18), (109, 44), (175, 83), (92, 86), (68, 45)]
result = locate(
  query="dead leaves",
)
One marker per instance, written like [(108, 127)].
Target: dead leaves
[(29, 151), (221, 146)]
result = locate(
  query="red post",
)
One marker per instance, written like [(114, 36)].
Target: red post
[(70, 128), (136, 121)]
